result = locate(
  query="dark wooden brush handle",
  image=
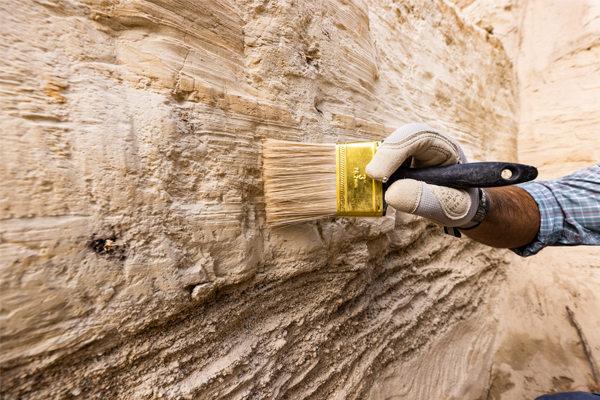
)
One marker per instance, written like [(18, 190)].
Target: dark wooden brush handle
[(481, 174)]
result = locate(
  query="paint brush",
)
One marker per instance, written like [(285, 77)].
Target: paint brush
[(307, 181)]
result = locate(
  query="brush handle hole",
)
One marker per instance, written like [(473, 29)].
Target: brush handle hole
[(507, 173)]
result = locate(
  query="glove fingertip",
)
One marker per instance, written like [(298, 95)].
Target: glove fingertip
[(375, 171), (384, 163), (404, 195)]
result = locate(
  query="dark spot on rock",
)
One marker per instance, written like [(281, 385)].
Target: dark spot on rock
[(108, 247), (190, 288), (311, 59)]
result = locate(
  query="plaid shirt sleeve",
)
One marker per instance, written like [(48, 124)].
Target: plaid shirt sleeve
[(569, 211)]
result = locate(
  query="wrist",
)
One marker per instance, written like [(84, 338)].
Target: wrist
[(512, 221)]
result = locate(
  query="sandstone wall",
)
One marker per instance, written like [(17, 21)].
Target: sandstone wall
[(135, 258), (554, 47)]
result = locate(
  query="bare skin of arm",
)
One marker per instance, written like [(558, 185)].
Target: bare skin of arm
[(513, 219)]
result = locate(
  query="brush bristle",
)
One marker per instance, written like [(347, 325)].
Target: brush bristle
[(300, 181)]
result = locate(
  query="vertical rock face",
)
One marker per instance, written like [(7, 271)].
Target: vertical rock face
[(554, 46), (559, 67), (135, 258)]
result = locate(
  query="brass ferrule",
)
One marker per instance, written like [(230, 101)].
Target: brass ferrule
[(357, 194)]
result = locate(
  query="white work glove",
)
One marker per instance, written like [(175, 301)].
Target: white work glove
[(428, 148)]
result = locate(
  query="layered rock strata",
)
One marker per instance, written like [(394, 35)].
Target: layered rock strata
[(136, 262), (554, 47)]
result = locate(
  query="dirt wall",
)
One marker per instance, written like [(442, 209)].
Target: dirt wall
[(136, 262), (554, 47)]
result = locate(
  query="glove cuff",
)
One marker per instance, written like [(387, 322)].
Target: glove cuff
[(482, 209)]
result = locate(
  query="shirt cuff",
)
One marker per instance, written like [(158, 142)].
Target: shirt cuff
[(550, 229)]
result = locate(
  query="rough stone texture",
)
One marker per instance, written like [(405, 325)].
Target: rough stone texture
[(554, 46), (136, 261), (135, 258), (537, 350)]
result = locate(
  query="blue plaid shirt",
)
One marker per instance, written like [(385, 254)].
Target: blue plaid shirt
[(569, 211)]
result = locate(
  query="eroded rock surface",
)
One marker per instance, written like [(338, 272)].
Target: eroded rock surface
[(554, 47), (135, 258)]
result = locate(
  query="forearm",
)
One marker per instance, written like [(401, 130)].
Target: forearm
[(513, 219)]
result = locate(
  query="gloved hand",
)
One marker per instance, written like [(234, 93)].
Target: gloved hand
[(427, 147)]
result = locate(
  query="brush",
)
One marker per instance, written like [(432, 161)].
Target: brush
[(308, 181)]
